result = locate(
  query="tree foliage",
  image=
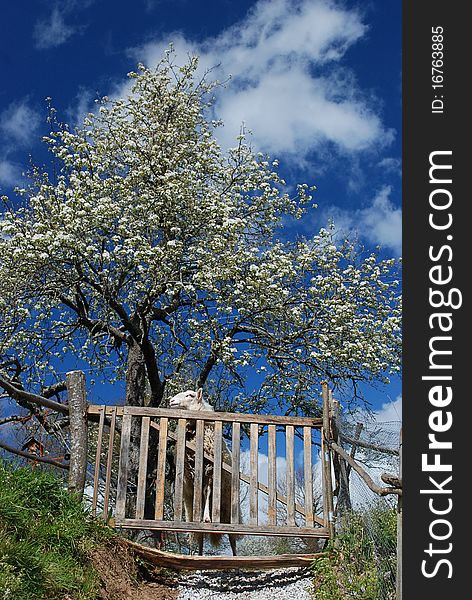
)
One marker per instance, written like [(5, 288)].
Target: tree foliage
[(150, 250)]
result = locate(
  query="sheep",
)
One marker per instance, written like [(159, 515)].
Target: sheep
[(191, 400)]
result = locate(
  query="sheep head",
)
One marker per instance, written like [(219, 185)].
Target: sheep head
[(190, 400)]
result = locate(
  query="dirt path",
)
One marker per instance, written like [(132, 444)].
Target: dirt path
[(122, 580)]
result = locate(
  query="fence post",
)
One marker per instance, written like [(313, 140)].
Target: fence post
[(399, 529), (327, 458), (76, 394)]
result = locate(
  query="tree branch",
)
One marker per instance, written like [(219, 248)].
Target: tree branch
[(208, 366), (22, 395), (95, 326), (381, 491), (14, 419), (54, 390), (33, 457)]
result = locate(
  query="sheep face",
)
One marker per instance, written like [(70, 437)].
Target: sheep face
[(189, 400)]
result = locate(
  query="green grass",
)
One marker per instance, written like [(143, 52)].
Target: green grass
[(45, 538), (362, 559)]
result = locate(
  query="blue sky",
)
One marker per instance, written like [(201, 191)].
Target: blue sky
[(317, 82)]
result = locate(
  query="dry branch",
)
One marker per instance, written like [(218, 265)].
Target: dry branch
[(180, 561), (33, 457), (392, 480), (19, 394), (381, 491)]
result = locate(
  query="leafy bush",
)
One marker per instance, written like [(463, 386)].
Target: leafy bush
[(45, 537), (362, 559)]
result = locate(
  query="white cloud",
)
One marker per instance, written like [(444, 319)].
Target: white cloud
[(83, 105), (380, 223), (18, 123), (287, 84), (390, 411), (9, 173), (391, 165), (53, 30)]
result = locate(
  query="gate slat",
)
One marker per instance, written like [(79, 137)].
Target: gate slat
[(308, 475), (96, 474), (253, 489), (217, 449), (323, 481), (179, 469), (142, 472), (290, 474), (235, 467), (272, 476), (326, 434), (198, 476), (161, 469), (123, 468), (111, 441)]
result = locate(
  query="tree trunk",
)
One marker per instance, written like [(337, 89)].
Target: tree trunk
[(135, 375), (135, 395), (136, 388)]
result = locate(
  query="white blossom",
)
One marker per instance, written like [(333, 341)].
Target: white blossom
[(150, 233)]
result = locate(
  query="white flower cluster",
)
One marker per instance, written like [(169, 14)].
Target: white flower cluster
[(150, 232)]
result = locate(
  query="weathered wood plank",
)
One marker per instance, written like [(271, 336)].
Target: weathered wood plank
[(235, 474), (326, 435), (96, 473), (279, 530), (217, 449), (182, 561), (290, 474), (122, 484), (179, 469), (111, 441), (142, 470), (254, 465), (308, 476), (323, 481), (198, 475), (77, 401), (272, 475), (161, 469), (176, 413)]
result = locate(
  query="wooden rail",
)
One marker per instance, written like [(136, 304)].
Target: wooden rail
[(290, 512), (176, 413), (183, 561)]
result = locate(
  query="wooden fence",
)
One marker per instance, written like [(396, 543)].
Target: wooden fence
[(290, 509)]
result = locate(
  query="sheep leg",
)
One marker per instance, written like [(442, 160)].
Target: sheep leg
[(232, 541), (206, 500)]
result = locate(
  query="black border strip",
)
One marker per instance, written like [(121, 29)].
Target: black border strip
[(436, 260)]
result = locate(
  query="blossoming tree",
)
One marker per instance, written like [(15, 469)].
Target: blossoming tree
[(150, 251)]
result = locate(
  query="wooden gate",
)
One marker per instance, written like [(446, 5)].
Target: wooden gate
[(288, 507)]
